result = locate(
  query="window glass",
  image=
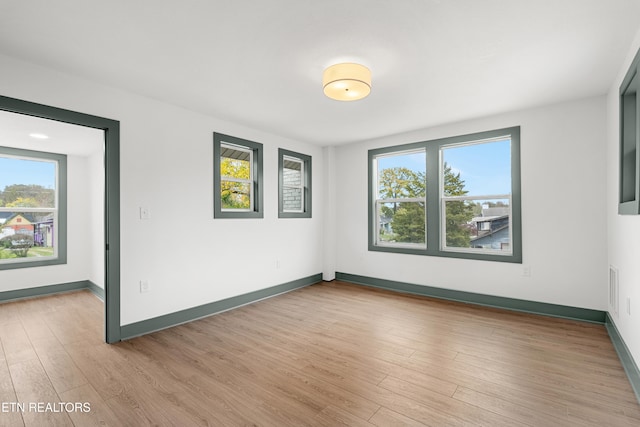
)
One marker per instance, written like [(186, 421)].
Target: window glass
[(401, 223), (476, 193), (28, 208), (236, 178), (482, 167), (294, 184), (401, 198)]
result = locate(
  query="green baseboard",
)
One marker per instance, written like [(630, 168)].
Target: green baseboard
[(565, 312), (625, 356), (97, 290), (143, 327), (51, 289)]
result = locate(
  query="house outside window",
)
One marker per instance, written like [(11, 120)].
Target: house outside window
[(453, 197), (33, 198), (238, 188), (294, 184)]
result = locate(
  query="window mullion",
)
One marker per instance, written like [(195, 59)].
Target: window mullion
[(477, 197), (231, 179), (433, 197), (407, 199)]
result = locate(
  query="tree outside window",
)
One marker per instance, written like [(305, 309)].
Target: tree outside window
[(32, 208), (456, 197)]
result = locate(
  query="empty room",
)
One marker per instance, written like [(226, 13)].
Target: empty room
[(292, 213)]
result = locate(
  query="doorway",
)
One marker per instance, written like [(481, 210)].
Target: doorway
[(111, 129)]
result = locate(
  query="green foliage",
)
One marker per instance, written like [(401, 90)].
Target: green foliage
[(22, 202), (459, 213), (235, 195), (5, 242), (18, 245), (408, 223), (23, 195), (407, 219), (234, 168), (400, 182)]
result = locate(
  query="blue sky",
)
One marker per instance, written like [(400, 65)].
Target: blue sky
[(485, 168), (414, 161), (18, 171)]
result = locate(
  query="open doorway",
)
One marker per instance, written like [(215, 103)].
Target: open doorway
[(95, 140)]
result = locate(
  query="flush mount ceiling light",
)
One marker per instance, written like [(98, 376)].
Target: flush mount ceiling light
[(346, 82), (38, 136)]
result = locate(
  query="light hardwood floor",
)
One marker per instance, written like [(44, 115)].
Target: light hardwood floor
[(330, 354)]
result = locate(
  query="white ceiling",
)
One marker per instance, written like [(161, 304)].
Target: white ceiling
[(63, 138), (260, 63)]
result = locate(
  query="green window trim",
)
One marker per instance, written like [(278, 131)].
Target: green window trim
[(60, 208), (256, 209), (433, 223), (629, 187), (305, 162)]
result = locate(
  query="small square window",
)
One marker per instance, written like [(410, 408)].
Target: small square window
[(294, 184), (237, 177)]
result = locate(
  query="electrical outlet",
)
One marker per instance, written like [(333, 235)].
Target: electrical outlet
[(145, 213), (144, 286), (526, 271)]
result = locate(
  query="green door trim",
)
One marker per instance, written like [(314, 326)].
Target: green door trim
[(111, 130)]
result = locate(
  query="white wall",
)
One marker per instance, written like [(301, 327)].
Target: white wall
[(563, 188), (330, 215), (166, 165), (623, 230), (95, 233)]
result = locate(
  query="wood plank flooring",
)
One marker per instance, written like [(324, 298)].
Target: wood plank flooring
[(330, 354)]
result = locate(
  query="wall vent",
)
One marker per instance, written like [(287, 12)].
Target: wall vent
[(613, 290)]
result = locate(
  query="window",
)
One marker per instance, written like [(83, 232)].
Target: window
[(294, 185), (32, 208), (453, 197), (629, 193), (401, 199), (476, 196), (237, 177)]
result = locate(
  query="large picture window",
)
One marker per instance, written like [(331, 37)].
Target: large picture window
[(237, 177), (454, 197), (32, 208)]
